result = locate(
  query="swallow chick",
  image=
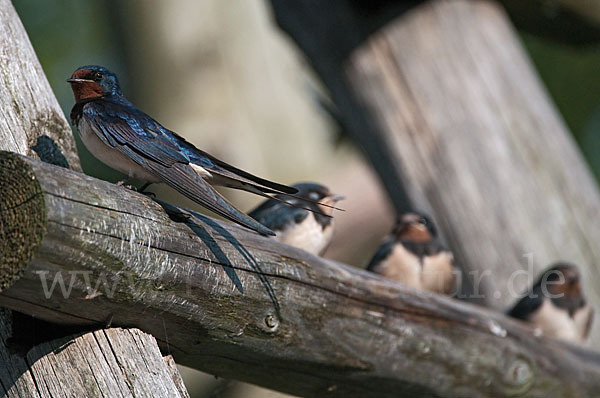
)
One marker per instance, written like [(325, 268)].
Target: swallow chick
[(555, 305), (128, 140), (306, 225), (413, 254)]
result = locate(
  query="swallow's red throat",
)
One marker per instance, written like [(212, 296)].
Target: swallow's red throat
[(413, 233), (85, 90)]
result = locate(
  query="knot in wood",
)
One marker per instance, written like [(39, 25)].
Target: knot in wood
[(518, 377), (272, 323)]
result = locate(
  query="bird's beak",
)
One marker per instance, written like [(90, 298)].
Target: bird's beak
[(421, 227), (336, 198), (332, 200), (71, 80)]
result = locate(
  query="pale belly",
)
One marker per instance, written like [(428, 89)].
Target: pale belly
[(435, 274), (402, 266), (308, 235), (556, 322), (438, 273), (112, 157)]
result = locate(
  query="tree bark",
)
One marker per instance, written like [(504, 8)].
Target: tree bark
[(445, 103), (239, 305), (31, 120)]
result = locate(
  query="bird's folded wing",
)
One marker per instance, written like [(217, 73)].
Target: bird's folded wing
[(526, 306), (381, 254), (219, 167), (158, 155), (115, 127), (122, 123), (276, 215), (184, 179)]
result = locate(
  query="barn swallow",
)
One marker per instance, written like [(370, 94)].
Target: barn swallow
[(296, 225), (128, 140), (555, 305), (413, 254)]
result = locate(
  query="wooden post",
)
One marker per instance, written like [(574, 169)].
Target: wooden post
[(449, 96), (239, 305), (111, 362), (31, 120)]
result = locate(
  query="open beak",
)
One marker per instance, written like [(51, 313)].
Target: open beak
[(71, 80)]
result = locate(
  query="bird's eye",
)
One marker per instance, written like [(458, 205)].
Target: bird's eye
[(98, 76), (423, 221)]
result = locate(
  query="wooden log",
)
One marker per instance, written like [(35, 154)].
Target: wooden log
[(98, 363), (447, 94), (31, 120), (111, 362), (239, 305), (483, 146)]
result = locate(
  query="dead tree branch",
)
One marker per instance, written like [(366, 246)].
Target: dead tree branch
[(239, 305)]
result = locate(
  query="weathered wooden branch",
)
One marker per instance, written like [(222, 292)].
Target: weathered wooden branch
[(444, 102), (31, 120), (239, 305), (111, 362)]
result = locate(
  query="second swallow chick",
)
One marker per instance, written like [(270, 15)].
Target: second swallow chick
[(413, 254), (309, 226), (555, 305)]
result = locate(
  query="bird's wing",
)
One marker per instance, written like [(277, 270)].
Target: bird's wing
[(219, 167), (151, 150), (526, 306), (381, 254), (122, 124), (186, 181), (276, 215)]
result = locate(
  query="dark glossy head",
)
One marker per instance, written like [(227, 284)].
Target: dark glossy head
[(315, 192), (415, 227), (318, 193), (561, 280), (93, 81)]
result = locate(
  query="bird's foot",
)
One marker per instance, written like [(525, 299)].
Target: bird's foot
[(143, 190), (123, 183)]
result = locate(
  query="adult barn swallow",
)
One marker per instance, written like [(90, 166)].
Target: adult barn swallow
[(307, 225), (555, 305), (413, 254), (128, 140)]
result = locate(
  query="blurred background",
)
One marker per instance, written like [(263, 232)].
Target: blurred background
[(222, 75)]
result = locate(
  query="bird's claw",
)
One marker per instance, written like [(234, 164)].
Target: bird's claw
[(123, 183), (135, 189), (130, 187)]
